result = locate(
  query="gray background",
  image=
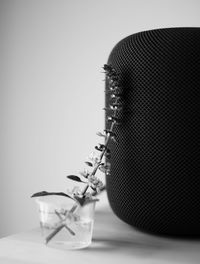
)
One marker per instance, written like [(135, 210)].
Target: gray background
[(51, 88)]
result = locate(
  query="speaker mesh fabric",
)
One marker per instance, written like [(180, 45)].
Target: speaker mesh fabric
[(155, 166)]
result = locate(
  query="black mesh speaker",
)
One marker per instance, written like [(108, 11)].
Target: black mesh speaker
[(155, 166)]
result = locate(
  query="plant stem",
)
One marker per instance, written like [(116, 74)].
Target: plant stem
[(104, 150), (97, 165), (109, 134), (100, 159), (52, 234), (85, 189), (69, 229), (73, 208)]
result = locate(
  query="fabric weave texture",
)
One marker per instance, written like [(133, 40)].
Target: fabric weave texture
[(155, 166)]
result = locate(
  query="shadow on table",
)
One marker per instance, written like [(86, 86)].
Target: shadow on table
[(111, 234)]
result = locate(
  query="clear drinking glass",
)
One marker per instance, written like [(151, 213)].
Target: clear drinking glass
[(64, 223)]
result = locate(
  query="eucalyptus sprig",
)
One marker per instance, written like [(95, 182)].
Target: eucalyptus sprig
[(95, 162)]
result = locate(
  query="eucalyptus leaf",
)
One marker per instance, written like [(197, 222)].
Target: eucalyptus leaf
[(98, 148), (101, 147), (93, 188), (74, 178), (44, 193), (89, 163)]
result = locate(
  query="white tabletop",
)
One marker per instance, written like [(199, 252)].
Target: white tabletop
[(113, 242)]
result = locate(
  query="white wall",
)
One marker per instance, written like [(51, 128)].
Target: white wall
[(51, 89)]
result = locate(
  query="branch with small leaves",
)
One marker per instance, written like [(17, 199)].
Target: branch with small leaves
[(95, 162)]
